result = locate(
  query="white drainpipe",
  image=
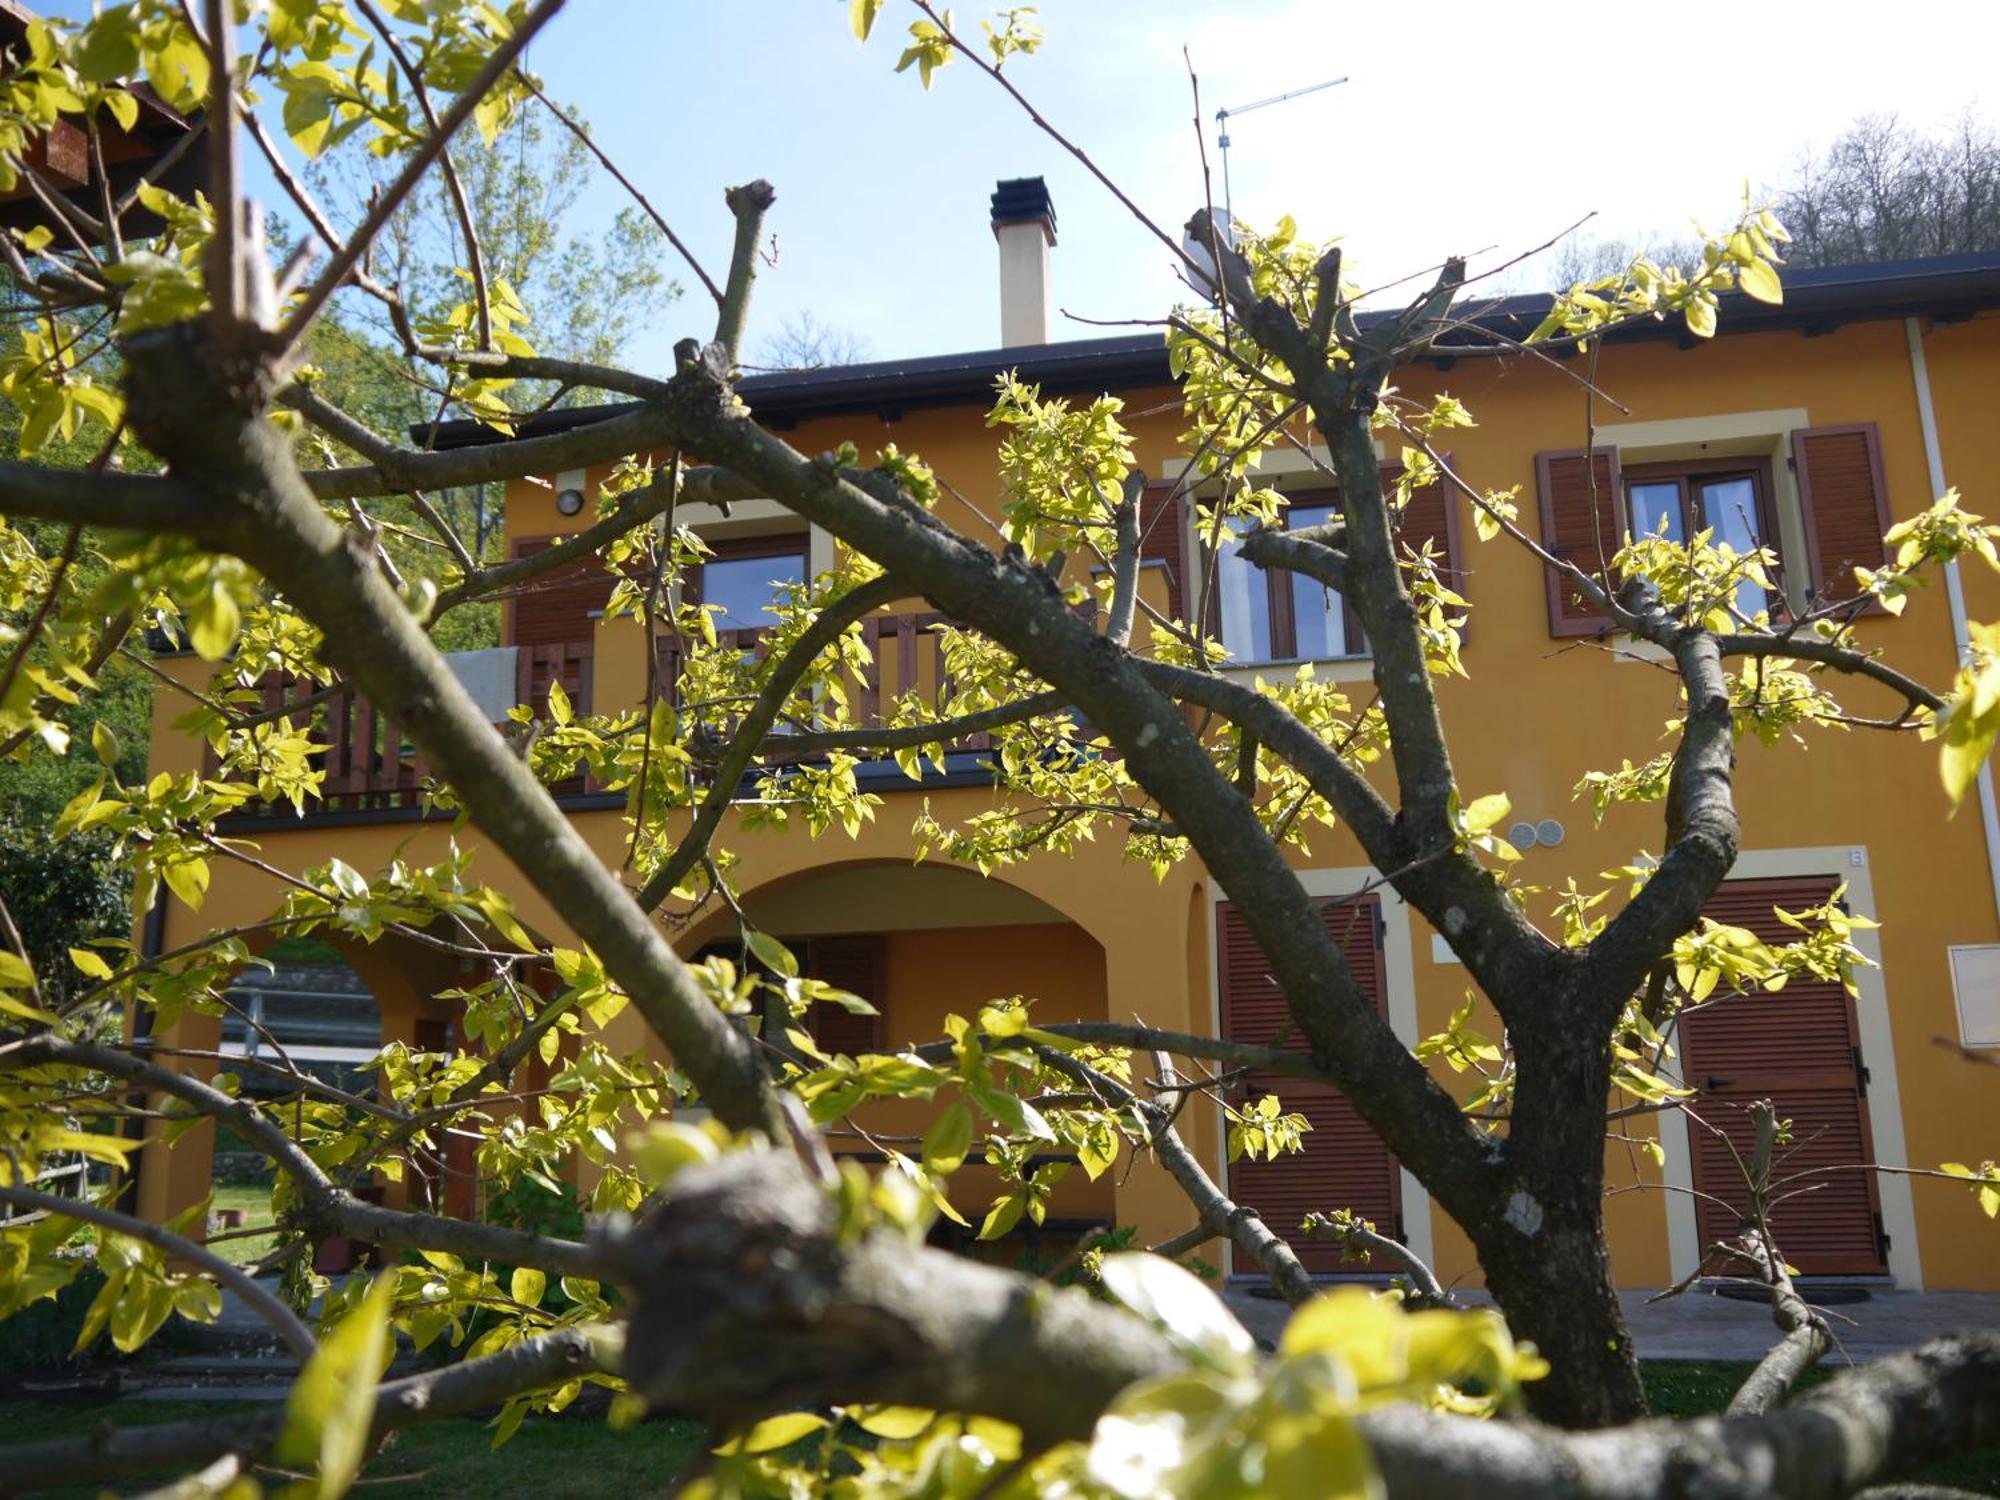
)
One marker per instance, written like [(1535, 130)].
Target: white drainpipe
[(1954, 588)]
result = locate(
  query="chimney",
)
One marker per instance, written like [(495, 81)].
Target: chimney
[(1024, 223)]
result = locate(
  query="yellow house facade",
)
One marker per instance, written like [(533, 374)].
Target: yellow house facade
[(1861, 399)]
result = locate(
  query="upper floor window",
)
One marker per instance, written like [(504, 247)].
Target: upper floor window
[(1730, 497), (1277, 615), (745, 577), (1823, 518)]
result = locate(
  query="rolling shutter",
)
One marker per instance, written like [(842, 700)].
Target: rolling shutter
[(1431, 516), (561, 608), (1344, 1163), (1163, 525), (1567, 481), (1845, 505), (851, 962), (1797, 1047)]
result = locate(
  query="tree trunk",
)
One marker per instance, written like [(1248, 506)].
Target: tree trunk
[(1556, 1290), (1542, 1245)]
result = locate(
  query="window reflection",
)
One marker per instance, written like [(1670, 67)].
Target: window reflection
[(745, 588)]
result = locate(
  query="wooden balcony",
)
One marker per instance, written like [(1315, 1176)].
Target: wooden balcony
[(372, 769), (905, 655), (374, 773)]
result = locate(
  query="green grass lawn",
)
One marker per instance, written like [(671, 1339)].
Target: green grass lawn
[(577, 1456), (566, 1458), (256, 1205)]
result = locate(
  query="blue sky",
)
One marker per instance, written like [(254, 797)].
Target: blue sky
[(1463, 127), (1458, 130)]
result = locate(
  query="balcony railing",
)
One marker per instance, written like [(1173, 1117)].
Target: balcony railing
[(905, 655), (370, 766), (373, 770)]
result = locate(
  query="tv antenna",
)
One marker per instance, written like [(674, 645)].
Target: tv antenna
[(1222, 118)]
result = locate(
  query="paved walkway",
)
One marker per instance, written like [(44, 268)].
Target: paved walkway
[(1700, 1325)]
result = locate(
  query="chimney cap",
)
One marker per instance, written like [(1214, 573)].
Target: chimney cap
[(1024, 200)]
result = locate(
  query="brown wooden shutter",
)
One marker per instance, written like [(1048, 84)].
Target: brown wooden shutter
[(1344, 1164), (1431, 516), (1799, 1048), (851, 962), (560, 608), (1163, 525), (1564, 480), (1845, 505)]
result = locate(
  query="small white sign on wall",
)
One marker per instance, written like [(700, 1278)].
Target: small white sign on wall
[(1975, 979)]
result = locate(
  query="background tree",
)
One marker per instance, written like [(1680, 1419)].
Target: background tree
[(803, 342), (591, 292), (1886, 190), (759, 1282)]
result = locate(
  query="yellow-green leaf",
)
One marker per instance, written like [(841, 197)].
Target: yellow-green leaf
[(947, 1141), (771, 953), (1759, 279), (775, 1432), (90, 963), (332, 1404)]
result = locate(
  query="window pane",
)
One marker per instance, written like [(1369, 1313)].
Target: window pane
[(745, 587), (1656, 511), (1729, 507), (1317, 613), (1246, 603)]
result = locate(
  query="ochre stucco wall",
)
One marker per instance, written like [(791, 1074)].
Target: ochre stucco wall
[(1534, 715)]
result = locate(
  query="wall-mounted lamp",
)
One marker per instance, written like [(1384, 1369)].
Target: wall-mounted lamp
[(569, 502)]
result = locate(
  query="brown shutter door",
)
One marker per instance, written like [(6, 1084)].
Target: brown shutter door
[(1845, 505), (1344, 1163), (1163, 524), (1566, 482), (560, 608), (1797, 1047), (1431, 516), (851, 962)]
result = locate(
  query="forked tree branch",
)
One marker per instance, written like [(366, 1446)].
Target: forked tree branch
[(384, 207), (185, 404), (325, 1208), (1021, 608), (748, 739)]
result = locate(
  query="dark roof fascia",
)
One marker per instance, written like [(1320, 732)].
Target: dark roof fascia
[(1817, 300)]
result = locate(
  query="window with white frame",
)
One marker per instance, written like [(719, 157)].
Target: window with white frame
[(1277, 615)]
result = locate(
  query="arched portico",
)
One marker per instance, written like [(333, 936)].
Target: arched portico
[(942, 939)]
